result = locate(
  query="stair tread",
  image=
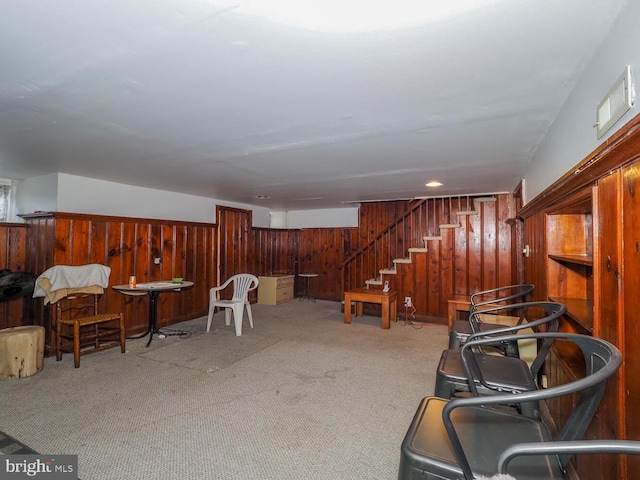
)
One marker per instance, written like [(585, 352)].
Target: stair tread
[(402, 260)]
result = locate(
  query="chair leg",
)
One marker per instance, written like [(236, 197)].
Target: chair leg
[(455, 341), (227, 316), (210, 317), (123, 335), (249, 314), (58, 342), (238, 313), (443, 388), (76, 344)]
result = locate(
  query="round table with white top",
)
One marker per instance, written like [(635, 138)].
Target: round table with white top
[(306, 293), (153, 289)]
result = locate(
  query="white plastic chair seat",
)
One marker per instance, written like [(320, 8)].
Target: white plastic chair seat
[(243, 283)]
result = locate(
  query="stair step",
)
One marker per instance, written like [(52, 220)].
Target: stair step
[(388, 271), (450, 225), (438, 237), (462, 213), (418, 250), (485, 199), (373, 281), (402, 260)]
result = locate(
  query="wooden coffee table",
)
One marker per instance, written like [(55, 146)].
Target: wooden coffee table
[(389, 302)]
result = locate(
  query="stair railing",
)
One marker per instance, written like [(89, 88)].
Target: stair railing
[(391, 242)]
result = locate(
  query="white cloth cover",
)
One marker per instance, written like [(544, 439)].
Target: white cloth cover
[(65, 276)]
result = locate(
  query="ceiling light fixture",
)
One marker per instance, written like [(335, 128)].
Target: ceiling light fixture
[(433, 184), (263, 197), (358, 15)]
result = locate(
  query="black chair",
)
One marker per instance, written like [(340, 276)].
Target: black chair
[(460, 438), (625, 447), (497, 373), (461, 329)]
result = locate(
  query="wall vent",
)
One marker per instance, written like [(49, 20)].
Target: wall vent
[(616, 103)]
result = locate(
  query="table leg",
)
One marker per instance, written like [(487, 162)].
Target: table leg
[(394, 309), (452, 312), (347, 308), (359, 309), (153, 314), (385, 313)]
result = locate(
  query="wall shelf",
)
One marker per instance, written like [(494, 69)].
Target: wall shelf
[(578, 259)]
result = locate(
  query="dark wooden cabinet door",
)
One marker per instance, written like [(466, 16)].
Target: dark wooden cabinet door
[(607, 272), (631, 322)]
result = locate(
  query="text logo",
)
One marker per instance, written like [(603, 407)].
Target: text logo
[(51, 467)]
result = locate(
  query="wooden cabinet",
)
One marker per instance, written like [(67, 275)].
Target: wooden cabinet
[(275, 289), (570, 276), (584, 238)]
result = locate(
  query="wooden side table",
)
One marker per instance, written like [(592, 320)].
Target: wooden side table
[(461, 303), (388, 301)]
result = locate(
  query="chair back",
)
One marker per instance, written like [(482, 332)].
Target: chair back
[(505, 294), (551, 319), (602, 360), (625, 447), (243, 283)]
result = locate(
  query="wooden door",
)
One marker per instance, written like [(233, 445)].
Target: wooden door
[(234, 227), (608, 312)]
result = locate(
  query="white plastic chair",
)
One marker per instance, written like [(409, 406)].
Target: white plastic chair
[(243, 283)]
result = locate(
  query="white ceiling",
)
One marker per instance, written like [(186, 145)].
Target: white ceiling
[(200, 97)]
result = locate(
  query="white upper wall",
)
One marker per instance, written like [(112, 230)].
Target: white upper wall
[(37, 194), (573, 136), (328, 217), (71, 193)]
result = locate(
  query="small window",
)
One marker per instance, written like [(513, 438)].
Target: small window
[(5, 199)]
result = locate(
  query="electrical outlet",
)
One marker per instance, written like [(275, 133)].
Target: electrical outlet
[(408, 302)]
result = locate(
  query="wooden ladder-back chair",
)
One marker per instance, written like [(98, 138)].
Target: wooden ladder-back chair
[(81, 329)]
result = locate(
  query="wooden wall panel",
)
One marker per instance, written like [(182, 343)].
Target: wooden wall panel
[(322, 251), (535, 263), (475, 255), (630, 326), (128, 246), (13, 251)]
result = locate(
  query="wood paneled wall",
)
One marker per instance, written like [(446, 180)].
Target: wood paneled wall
[(274, 251), (477, 255), (322, 251), (13, 251), (129, 246)]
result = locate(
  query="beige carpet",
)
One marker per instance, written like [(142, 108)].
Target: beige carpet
[(301, 395)]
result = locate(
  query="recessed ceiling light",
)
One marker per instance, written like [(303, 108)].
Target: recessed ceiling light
[(434, 184), (262, 197)]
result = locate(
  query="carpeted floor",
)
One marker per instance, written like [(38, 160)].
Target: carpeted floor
[(301, 395)]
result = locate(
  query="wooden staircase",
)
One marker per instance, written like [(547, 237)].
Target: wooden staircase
[(424, 221)]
